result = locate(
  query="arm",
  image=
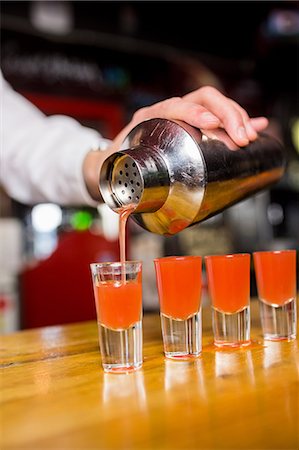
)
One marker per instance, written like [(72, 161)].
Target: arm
[(42, 157), (205, 108), (50, 159)]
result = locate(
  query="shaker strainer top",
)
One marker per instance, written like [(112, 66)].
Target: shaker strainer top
[(127, 182), (137, 177)]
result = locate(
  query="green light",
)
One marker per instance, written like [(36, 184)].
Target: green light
[(81, 220)]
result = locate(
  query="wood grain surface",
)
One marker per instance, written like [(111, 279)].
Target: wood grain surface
[(55, 395)]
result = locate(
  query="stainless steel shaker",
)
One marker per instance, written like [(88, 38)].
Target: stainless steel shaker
[(176, 175)]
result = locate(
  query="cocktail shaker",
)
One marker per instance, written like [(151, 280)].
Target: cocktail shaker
[(176, 176)]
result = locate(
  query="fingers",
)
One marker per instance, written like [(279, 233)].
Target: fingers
[(233, 118), (207, 108), (259, 123), (179, 109), (251, 133)]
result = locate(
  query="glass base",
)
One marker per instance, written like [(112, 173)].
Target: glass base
[(182, 338), (231, 329), (278, 322), (121, 350)]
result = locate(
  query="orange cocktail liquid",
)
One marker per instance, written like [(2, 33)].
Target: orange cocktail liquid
[(229, 282), (119, 306), (124, 213), (179, 286), (276, 276)]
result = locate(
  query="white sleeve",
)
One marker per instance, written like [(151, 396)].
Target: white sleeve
[(42, 157)]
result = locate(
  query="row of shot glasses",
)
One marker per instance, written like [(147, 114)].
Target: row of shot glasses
[(118, 297)]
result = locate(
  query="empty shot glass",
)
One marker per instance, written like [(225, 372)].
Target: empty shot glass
[(118, 297), (229, 289), (275, 273), (179, 287)]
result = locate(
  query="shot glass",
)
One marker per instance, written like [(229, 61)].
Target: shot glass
[(229, 289), (179, 287), (275, 273), (118, 298)]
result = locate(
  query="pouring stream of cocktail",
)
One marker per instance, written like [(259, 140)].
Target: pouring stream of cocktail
[(124, 214)]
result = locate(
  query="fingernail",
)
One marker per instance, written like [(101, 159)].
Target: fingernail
[(242, 134)]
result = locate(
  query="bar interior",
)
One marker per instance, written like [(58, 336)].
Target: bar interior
[(202, 351)]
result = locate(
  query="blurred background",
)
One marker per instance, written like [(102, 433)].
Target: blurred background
[(100, 61)]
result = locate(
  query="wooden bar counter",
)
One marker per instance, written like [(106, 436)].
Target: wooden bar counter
[(55, 395)]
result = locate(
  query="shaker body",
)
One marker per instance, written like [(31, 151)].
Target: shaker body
[(176, 175)]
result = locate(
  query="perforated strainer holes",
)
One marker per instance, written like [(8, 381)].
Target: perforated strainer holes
[(127, 181)]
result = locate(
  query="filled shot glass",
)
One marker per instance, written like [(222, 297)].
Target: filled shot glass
[(275, 273), (118, 298), (229, 289), (179, 287)]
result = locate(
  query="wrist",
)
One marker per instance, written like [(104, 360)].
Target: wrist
[(91, 171)]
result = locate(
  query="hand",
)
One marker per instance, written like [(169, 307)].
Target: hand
[(205, 108), (230, 115)]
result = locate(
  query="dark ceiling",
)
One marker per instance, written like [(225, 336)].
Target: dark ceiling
[(228, 36), (230, 29)]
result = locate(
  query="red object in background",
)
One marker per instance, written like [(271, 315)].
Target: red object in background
[(59, 289), (105, 116)]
